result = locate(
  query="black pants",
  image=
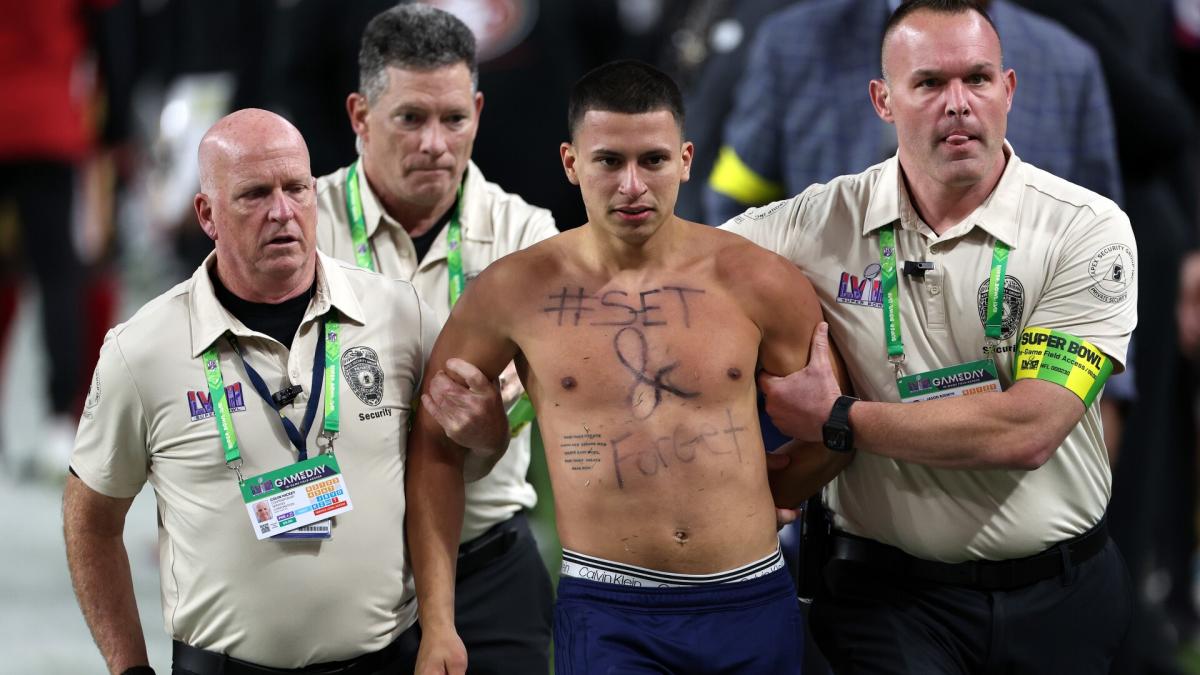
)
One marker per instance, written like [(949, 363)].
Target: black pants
[(503, 608), (43, 193), (874, 622)]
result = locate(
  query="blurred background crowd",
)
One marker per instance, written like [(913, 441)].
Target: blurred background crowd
[(103, 102)]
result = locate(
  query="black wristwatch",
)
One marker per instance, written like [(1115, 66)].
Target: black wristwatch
[(836, 433)]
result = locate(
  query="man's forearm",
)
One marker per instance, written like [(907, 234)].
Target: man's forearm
[(1015, 429), (1019, 428), (99, 566), (811, 466), (479, 463), (435, 498), (104, 588)]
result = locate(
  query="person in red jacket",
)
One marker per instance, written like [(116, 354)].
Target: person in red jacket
[(46, 135)]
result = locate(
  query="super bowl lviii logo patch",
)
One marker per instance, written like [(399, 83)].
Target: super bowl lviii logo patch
[(867, 291), (360, 368), (1112, 270), (200, 403)]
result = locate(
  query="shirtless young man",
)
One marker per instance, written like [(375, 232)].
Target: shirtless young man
[(637, 336)]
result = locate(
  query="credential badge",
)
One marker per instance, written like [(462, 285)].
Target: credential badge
[(360, 367)]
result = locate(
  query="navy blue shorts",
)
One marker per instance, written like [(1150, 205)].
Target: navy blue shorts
[(744, 627)]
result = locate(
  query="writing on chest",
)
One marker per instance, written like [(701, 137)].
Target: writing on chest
[(665, 305), (642, 347)]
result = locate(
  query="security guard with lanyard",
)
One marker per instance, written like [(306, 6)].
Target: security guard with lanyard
[(414, 207), (980, 304), (281, 538)]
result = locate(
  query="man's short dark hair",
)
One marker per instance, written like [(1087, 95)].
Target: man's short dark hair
[(629, 87), (413, 36), (909, 7)]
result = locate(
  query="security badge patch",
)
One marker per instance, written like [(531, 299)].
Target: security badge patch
[(360, 368), (1014, 305), (1112, 270)]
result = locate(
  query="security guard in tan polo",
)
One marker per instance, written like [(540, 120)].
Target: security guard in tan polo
[(415, 207), (979, 303), (942, 310), (266, 400), (281, 604)]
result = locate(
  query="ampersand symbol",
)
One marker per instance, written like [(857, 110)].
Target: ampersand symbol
[(657, 382)]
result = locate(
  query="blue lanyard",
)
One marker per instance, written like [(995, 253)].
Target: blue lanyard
[(296, 436)]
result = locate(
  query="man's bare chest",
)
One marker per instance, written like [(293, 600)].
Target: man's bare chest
[(640, 346)]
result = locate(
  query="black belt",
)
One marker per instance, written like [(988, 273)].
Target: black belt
[(485, 549), (984, 575), (204, 662)]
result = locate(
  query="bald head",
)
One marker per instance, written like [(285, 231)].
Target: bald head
[(258, 204), (899, 25), (240, 133)]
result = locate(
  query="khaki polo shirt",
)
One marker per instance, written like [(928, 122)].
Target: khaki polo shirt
[(1064, 239), (283, 604), (494, 224)]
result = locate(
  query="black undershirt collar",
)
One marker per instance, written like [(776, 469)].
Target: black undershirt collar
[(279, 320), (423, 242)]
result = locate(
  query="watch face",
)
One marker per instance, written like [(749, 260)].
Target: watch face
[(836, 439)]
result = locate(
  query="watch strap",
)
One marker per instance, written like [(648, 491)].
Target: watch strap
[(840, 413)]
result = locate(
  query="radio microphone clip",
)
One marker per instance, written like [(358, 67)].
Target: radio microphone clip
[(286, 395), (917, 268)]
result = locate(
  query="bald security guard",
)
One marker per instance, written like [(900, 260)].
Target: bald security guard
[(980, 304), (276, 375), (415, 207)]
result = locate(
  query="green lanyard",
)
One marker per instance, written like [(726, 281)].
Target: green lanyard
[(891, 296), (454, 251), (358, 222), (362, 248), (216, 392), (993, 325)]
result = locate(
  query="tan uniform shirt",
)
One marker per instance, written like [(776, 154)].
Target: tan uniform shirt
[(494, 224), (1064, 242), (276, 603)]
